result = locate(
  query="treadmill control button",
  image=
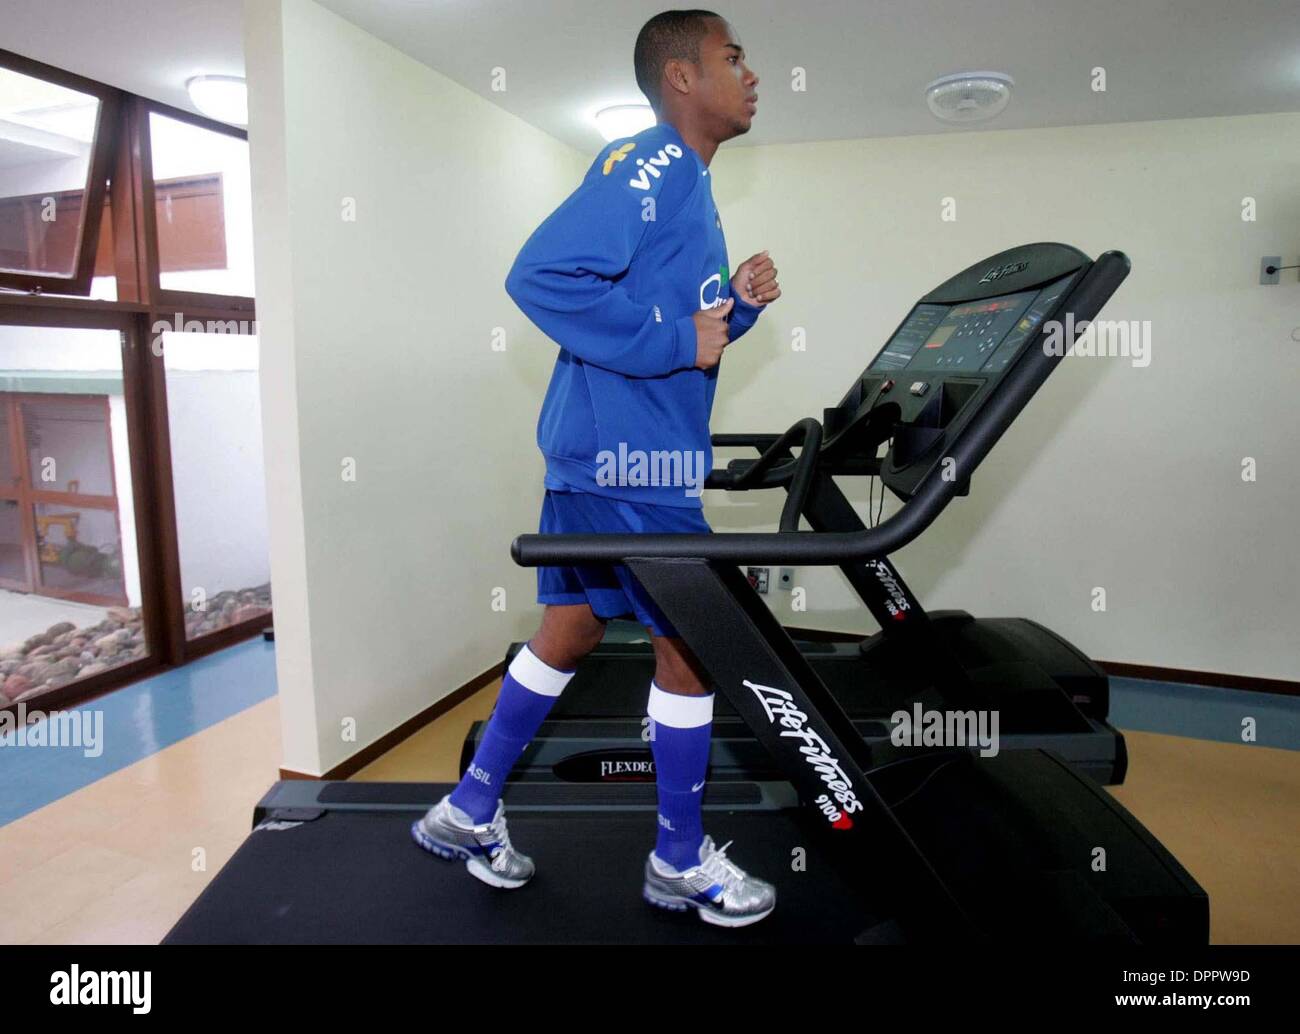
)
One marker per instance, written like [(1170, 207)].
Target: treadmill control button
[(920, 387)]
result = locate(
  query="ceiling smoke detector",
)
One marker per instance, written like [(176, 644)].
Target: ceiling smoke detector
[(969, 96)]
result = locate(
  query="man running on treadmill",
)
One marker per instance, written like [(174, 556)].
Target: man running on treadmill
[(629, 277)]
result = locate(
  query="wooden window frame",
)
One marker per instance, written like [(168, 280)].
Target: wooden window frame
[(103, 149), (165, 297)]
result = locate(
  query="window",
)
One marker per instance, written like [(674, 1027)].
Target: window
[(123, 223), (69, 573), (204, 205), (215, 421), (53, 176)]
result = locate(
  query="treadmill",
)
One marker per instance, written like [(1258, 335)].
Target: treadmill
[(936, 370), (901, 843)]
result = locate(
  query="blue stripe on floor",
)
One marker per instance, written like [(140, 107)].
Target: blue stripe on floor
[(137, 721), (1204, 712)]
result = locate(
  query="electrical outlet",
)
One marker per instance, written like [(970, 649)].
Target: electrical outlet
[(785, 579), (758, 578), (1265, 277)]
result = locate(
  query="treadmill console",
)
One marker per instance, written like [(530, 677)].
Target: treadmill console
[(949, 357), (983, 336)]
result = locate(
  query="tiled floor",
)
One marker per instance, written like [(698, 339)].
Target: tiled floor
[(135, 723), (116, 853), (119, 861)]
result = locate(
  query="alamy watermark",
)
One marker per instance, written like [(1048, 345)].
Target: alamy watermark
[(79, 729), (636, 468), (922, 728), (75, 986), (180, 325), (1101, 339)]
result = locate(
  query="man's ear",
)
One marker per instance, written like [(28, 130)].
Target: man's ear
[(677, 75)]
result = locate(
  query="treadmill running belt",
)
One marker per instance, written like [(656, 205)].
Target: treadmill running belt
[(356, 877)]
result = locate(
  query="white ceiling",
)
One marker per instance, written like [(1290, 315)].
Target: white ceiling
[(148, 47), (866, 61)]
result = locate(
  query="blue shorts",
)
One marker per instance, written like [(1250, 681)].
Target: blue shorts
[(612, 592)]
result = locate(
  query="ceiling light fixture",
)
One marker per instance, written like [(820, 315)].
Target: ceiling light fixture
[(969, 96), (222, 97), (622, 120)]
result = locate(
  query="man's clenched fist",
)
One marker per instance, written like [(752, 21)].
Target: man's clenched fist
[(755, 280), (711, 334)]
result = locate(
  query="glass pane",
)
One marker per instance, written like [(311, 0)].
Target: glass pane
[(69, 571), (67, 447), (215, 419), (205, 215), (80, 550), (7, 467), (47, 134), (13, 565), (103, 283)]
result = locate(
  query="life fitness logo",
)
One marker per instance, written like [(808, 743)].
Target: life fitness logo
[(841, 801), (998, 272), (896, 604)]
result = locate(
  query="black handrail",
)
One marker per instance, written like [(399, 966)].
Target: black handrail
[(793, 547), (805, 467), (732, 440), (796, 473)]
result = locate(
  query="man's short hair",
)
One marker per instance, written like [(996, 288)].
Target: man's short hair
[(672, 34)]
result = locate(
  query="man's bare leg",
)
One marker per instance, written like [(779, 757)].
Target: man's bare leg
[(677, 670), (567, 635)]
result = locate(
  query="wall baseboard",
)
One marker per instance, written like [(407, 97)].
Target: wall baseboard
[(352, 765), (1123, 669)]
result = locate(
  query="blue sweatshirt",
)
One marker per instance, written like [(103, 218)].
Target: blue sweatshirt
[(613, 276)]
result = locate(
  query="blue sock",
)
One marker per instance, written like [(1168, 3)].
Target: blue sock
[(680, 731), (528, 690)]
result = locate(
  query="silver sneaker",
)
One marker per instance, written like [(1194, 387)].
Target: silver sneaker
[(722, 892), (486, 848)]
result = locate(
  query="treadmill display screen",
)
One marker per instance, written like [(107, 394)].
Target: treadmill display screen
[(979, 335), (970, 333), (1037, 312), (910, 337)]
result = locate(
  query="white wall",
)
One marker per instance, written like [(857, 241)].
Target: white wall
[(377, 348), (1123, 478), (62, 348), (216, 443), (52, 175), (214, 416)]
